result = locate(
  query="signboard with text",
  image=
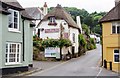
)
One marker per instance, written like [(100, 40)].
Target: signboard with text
[(52, 30), (52, 52)]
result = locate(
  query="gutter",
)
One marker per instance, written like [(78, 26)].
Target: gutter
[(23, 39)]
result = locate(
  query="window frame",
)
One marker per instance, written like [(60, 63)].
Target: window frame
[(7, 58), (13, 29), (116, 24), (52, 20), (116, 54), (73, 35)]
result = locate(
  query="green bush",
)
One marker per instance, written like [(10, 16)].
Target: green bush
[(35, 53), (82, 41), (56, 43), (91, 44), (37, 42)]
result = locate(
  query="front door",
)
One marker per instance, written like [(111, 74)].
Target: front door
[(73, 51)]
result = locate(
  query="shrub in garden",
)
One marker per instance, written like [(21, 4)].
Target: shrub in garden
[(37, 42), (56, 43), (93, 43), (82, 44)]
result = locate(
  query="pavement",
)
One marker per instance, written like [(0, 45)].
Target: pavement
[(86, 65)]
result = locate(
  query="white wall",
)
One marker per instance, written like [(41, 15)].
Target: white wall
[(76, 44), (70, 30), (45, 25)]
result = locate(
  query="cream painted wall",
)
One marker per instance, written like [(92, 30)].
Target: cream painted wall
[(110, 42)]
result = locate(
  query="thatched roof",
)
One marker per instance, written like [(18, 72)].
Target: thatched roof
[(6, 4), (112, 15), (59, 13)]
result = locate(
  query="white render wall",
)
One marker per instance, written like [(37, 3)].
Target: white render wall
[(45, 25), (76, 44), (70, 30)]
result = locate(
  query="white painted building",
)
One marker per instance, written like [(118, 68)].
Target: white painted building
[(96, 38), (57, 21), (37, 13)]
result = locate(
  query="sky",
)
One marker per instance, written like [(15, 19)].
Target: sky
[(89, 5)]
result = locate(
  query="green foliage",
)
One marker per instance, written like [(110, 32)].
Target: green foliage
[(35, 53), (90, 19), (86, 29), (82, 40), (37, 42), (56, 43), (91, 44)]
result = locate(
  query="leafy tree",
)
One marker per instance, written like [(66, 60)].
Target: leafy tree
[(86, 29), (90, 19)]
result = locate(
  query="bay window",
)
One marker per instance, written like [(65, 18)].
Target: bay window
[(13, 20), (13, 52)]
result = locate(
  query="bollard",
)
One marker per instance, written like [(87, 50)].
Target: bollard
[(110, 65), (105, 64)]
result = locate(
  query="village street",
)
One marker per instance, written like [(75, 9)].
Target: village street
[(86, 65)]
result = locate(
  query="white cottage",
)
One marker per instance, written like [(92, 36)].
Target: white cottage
[(58, 23)]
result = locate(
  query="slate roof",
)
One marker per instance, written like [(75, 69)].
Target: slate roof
[(34, 12), (59, 13), (112, 15)]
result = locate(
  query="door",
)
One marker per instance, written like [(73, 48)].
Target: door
[(73, 51)]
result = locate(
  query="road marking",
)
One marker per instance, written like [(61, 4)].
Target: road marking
[(99, 72)]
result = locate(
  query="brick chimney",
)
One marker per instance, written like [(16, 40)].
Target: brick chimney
[(116, 2)]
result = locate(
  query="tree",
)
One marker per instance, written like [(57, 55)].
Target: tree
[(86, 29), (90, 19)]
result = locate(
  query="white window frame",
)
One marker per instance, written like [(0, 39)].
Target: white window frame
[(8, 53), (52, 19), (18, 26), (116, 24), (116, 54)]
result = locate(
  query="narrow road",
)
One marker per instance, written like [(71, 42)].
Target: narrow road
[(86, 65)]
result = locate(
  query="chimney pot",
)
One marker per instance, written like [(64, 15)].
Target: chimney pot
[(117, 2)]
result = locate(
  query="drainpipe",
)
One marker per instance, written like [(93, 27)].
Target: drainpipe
[(23, 39), (102, 43)]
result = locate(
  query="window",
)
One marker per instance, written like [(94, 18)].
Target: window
[(52, 21), (113, 29), (116, 28), (13, 20), (13, 51), (73, 37), (117, 55)]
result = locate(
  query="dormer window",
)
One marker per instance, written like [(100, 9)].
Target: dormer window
[(52, 21), (13, 20)]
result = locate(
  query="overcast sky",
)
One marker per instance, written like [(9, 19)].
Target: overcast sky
[(89, 5)]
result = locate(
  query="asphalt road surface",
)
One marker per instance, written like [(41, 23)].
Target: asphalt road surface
[(86, 65)]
